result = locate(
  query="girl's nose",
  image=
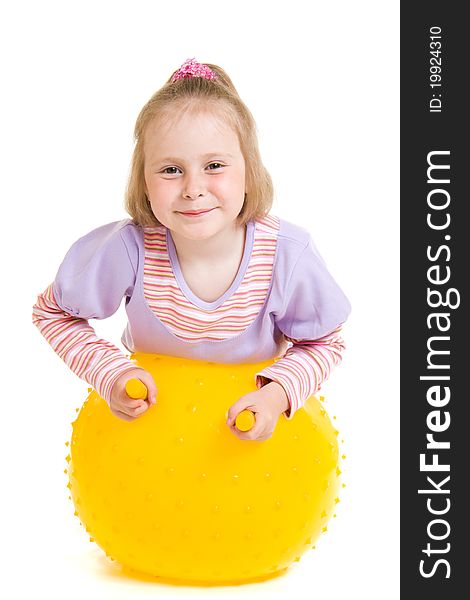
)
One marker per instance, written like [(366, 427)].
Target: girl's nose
[(194, 187)]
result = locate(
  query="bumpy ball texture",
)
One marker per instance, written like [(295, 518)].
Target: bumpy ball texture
[(177, 495)]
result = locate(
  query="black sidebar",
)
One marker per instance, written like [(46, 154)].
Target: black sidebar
[(435, 340)]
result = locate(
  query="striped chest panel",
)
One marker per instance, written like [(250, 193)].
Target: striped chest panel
[(193, 323)]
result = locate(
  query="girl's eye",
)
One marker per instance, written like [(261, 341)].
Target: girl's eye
[(216, 164), (167, 171)]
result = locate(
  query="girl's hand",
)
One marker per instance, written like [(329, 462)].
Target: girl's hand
[(126, 408), (267, 403)]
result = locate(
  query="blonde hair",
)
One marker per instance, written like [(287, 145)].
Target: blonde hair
[(198, 94)]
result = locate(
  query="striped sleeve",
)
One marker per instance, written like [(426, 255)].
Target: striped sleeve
[(94, 360), (304, 367)]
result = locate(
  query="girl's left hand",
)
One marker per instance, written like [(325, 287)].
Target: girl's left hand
[(267, 403)]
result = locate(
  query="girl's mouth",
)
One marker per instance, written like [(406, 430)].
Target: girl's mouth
[(196, 213)]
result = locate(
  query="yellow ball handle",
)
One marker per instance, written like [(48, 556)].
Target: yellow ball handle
[(136, 389), (245, 420)]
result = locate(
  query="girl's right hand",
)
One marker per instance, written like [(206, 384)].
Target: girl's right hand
[(126, 408)]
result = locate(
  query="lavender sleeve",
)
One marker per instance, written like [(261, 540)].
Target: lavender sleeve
[(96, 273), (314, 305)]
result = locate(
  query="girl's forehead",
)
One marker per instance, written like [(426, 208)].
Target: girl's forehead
[(195, 126), (202, 120)]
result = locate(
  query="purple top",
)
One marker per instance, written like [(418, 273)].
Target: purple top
[(106, 265)]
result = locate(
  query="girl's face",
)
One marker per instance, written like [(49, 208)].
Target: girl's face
[(194, 165)]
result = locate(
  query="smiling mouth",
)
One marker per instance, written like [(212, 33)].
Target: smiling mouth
[(196, 213)]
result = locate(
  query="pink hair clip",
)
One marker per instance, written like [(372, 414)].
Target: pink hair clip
[(191, 68)]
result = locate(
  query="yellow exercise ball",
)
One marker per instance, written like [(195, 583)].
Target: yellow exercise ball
[(175, 494)]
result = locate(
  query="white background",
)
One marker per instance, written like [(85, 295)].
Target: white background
[(321, 80)]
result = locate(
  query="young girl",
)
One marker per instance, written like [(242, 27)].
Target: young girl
[(206, 271)]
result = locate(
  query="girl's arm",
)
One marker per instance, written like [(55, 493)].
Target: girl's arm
[(97, 272), (304, 367), (94, 360), (311, 315)]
